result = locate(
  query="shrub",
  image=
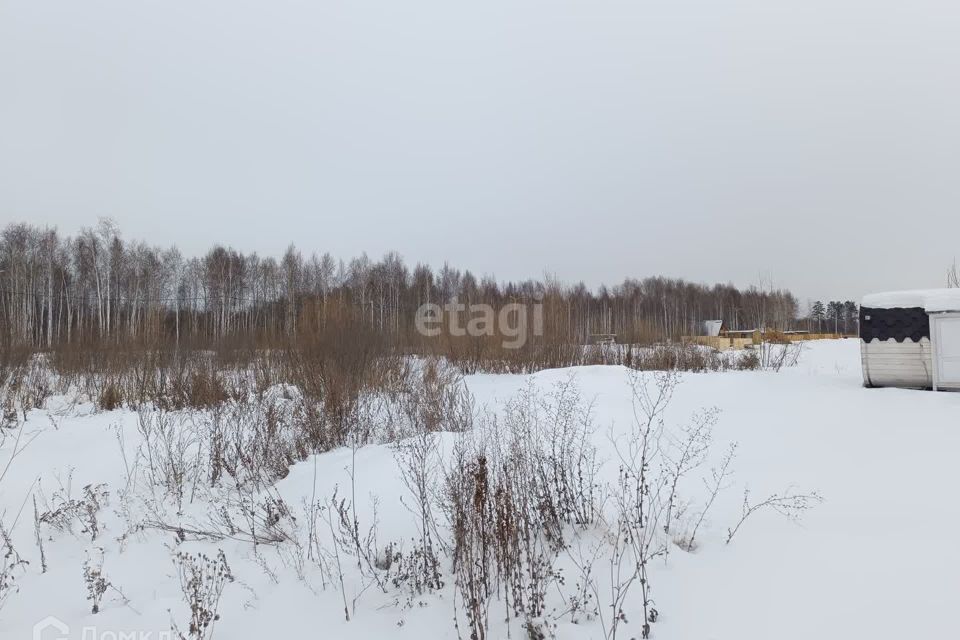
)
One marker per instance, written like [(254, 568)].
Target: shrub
[(748, 361), (11, 567), (110, 397), (202, 580)]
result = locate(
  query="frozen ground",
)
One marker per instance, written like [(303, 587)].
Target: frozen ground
[(877, 559)]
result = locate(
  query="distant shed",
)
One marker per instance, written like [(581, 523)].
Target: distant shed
[(911, 339), (712, 327)]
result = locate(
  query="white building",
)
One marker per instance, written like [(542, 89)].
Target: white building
[(911, 339)]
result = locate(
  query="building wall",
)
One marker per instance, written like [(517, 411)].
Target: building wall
[(888, 363)]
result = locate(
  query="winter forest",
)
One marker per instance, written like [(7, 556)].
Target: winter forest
[(102, 287)]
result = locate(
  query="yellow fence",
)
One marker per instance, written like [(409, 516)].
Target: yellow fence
[(799, 337), (722, 343)]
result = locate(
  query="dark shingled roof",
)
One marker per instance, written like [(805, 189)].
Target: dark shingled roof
[(907, 323)]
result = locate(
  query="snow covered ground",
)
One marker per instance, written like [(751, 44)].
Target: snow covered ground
[(876, 559)]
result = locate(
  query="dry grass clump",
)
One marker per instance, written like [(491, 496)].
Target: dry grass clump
[(689, 357), (511, 497)]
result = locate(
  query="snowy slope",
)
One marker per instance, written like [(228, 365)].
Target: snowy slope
[(875, 559)]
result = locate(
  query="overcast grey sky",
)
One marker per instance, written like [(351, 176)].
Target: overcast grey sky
[(814, 141)]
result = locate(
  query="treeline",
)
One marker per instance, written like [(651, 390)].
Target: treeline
[(835, 316), (98, 287)]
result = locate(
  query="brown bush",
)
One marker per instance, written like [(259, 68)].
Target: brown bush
[(775, 337), (749, 361), (110, 397)]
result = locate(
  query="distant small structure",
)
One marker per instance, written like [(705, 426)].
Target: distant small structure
[(717, 336), (742, 333), (712, 328)]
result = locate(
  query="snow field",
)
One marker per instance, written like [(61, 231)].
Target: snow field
[(874, 559)]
